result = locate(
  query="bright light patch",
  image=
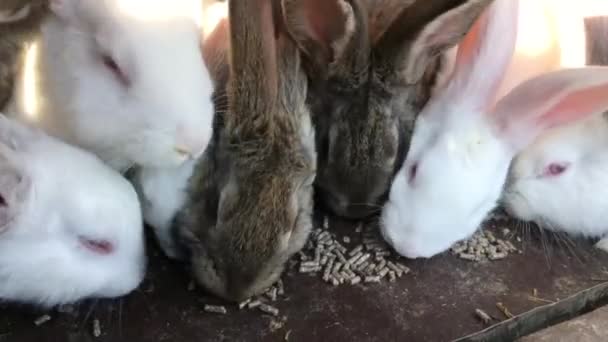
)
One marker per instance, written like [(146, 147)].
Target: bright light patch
[(213, 15), (534, 20), (30, 95), (162, 9)]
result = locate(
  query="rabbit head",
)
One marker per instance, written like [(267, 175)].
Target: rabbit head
[(126, 80), (250, 197), (554, 182), (70, 227), (463, 141), (367, 85)]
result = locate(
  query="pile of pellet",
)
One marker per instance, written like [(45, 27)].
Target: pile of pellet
[(367, 262), (260, 303), (484, 245), (335, 260)]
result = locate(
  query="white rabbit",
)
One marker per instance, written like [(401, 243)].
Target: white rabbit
[(557, 181), (124, 79), (463, 142), (70, 226), (163, 193), (163, 190)]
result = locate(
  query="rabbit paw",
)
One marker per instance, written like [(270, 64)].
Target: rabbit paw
[(602, 244)]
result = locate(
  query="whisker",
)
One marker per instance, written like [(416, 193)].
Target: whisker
[(120, 303), (544, 244), (89, 312)]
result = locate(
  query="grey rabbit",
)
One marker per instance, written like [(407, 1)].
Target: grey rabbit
[(249, 205), (368, 81)]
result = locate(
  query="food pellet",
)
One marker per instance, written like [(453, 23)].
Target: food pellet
[(42, 319), (191, 286), (467, 256), (218, 309), (383, 253), (269, 309), (397, 270), (309, 264), (326, 255), (242, 305), (362, 266), (357, 250), (359, 228), (362, 259), (254, 304), (483, 316), (372, 279), (355, 280), (96, 328), (272, 294), (381, 265), (404, 268)]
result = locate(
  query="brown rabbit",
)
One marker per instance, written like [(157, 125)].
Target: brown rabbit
[(19, 22), (368, 81), (250, 196)]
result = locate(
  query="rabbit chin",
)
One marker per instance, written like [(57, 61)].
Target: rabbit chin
[(233, 288), (59, 272)]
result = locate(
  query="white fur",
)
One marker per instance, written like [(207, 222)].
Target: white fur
[(573, 201), (57, 194), (463, 141), (167, 106), (163, 193)]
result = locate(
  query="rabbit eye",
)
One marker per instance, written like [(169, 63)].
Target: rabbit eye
[(102, 247), (555, 169), (111, 65)]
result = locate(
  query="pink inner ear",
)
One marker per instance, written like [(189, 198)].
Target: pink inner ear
[(575, 105), (324, 26), (467, 49)]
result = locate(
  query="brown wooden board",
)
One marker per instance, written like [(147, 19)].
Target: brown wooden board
[(436, 302)]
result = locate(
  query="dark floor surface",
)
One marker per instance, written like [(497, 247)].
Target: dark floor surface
[(436, 302)]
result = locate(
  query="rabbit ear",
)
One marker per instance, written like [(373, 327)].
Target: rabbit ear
[(332, 33), (215, 47), (65, 9), (253, 60), (550, 100), (485, 54), (13, 15), (424, 30), (14, 188), (15, 185)]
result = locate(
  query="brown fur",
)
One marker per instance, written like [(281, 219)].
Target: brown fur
[(365, 98), (596, 32), (253, 187)]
